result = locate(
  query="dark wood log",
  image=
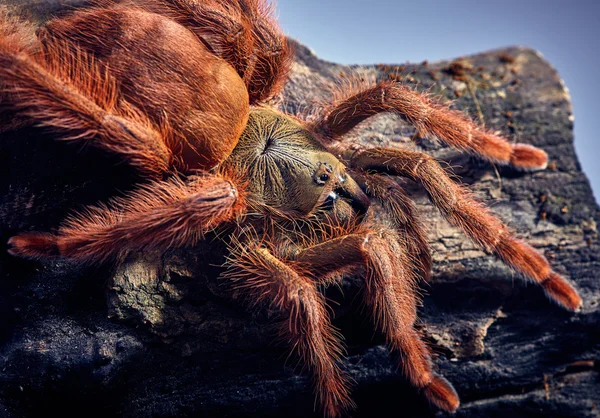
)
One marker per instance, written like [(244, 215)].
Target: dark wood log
[(162, 335)]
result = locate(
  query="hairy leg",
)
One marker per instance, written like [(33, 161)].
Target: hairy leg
[(160, 215), (305, 326), (243, 32), (391, 295), (402, 213), (429, 117), (64, 90), (460, 208)]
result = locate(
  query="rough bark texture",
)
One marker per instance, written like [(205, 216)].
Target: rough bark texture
[(162, 335)]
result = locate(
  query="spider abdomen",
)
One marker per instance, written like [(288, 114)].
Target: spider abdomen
[(166, 71)]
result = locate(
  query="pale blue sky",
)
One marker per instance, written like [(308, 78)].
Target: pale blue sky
[(366, 32)]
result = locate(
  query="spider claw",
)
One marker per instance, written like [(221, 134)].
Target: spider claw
[(10, 246), (527, 157), (441, 393), (32, 245), (561, 291)]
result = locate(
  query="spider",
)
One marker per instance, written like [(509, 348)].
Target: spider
[(182, 91)]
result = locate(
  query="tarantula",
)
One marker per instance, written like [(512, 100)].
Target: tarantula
[(180, 90)]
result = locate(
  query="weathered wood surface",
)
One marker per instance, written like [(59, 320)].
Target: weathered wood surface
[(161, 335)]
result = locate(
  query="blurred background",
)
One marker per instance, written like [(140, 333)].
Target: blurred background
[(567, 33)]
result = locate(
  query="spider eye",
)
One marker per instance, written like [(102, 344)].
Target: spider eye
[(322, 173)]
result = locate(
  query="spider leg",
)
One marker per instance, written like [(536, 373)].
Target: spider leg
[(306, 325), (243, 32), (402, 213), (478, 223), (63, 89), (391, 296), (429, 117), (160, 215)]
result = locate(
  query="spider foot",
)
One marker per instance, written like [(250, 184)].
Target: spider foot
[(560, 291), (441, 393), (33, 245), (337, 402), (527, 157)]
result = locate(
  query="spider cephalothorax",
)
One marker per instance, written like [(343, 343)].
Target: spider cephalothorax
[(179, 90), (289, 170)]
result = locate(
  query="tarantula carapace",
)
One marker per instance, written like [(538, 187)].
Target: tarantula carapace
[(179, 90)]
